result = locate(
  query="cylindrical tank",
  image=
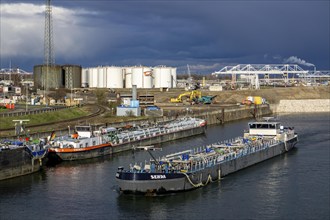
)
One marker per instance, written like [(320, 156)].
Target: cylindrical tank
[(162, 76), (84, 77), (89, 76), (72, 76), (147, 78), (101, 77), (141, 77), (93, 77), (48, 76), (114, 77), (173, 74), (137, 77), (128, 77)]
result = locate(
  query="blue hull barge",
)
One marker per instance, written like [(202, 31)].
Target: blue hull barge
[(195, 168), (21, 158)]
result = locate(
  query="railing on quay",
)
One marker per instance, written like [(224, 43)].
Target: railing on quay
[(32, 112)]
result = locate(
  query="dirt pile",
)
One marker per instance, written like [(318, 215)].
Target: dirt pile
[(272, 95)]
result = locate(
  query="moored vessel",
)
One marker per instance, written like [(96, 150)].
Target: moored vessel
[(23, 155), (18, 158), (191, 169), (87, 143)]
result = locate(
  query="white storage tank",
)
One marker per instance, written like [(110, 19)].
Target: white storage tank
[(101, 80), (142, 77), (173, 74), (137, 77), (128, 77), (114, 77), (147, 78), (162, 77), (84, 77), (93, 77)]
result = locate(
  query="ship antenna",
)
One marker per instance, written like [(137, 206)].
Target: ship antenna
[(268, 118), (148, 148)]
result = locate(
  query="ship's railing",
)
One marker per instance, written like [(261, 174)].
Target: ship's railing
[(153, 131), (208, 160), (249, 149)]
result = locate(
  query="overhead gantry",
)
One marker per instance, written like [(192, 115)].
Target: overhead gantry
[(254, 70), (13, 71)]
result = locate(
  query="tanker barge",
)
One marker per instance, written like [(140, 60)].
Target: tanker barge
[(195, 168), (86, 143)]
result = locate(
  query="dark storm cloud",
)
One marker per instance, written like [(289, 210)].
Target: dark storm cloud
[(204, 34)]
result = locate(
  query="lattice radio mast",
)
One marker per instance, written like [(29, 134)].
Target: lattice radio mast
[(49, 59)]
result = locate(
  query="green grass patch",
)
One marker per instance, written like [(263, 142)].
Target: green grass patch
[(60, 115)]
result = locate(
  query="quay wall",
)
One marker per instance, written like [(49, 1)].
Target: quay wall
[(299, 106), (242, 112), (224, 115), (214, 116)]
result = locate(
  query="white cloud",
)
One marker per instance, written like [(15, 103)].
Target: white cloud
[(294, 59), (22, 31)]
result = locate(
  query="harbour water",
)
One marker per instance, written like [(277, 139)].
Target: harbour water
[(291, 186)]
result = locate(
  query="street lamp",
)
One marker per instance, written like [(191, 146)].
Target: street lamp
[(26, 97)]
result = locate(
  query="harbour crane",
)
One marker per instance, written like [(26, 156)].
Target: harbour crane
[(191, 84)]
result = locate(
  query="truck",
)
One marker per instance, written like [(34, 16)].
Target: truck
[(256, 100)]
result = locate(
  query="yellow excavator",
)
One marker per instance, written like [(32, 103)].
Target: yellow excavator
[(187, 96)]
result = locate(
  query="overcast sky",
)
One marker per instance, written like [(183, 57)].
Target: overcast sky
[(207, 35)]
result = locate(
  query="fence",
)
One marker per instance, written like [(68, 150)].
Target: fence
[(31, 112)]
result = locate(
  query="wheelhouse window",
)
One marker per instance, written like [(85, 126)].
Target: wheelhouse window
[(272, 126), (263, 126), (83, 128)]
